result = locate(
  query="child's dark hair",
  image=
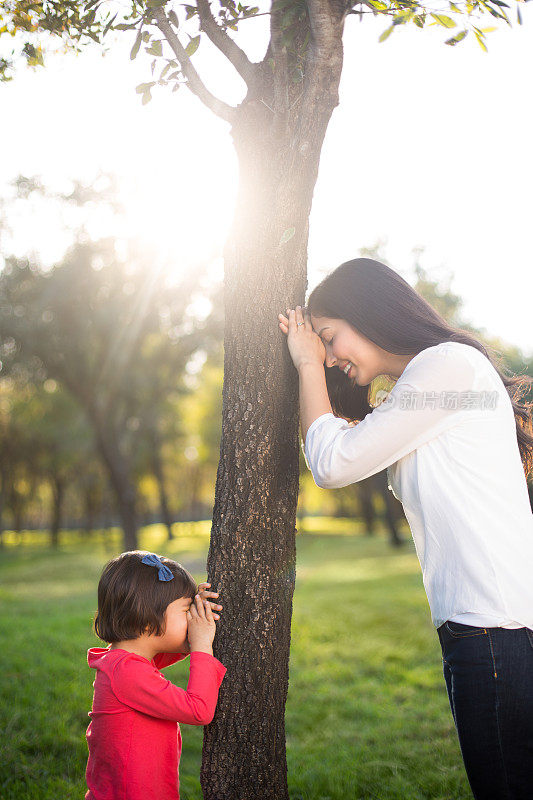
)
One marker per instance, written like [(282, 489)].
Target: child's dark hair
[(132, 600)]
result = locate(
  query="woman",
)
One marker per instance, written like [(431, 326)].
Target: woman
[(457, 445)]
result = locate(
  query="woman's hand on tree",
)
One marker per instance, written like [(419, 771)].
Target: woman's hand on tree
[(304, 345)]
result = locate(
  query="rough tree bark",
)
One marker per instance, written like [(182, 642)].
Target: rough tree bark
[(278, 133)]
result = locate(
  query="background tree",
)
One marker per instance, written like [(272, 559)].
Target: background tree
[(278, 131), (115, 332)]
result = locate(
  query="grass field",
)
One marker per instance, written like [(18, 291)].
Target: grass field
[(367, 712)]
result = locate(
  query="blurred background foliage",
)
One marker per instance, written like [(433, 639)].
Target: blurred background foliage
[(111, 380)]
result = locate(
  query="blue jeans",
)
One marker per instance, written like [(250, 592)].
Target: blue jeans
[(489, 678)]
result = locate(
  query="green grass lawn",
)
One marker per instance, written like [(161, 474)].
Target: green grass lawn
[(367, 712)]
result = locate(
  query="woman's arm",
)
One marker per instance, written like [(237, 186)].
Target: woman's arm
[(419, 408), (308, 355), (314, 399)]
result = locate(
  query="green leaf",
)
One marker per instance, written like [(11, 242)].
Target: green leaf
[(481, 42), (164, 71), (459, 38), (518, 16), (147, 96), (173, 17), (156, 48), (108, 26), (442, 19), (378, 5), (193, 45), (146, 37), (419, 20), (135, 48), (144, 87), (455, 8), (287, 235), (386, 33)]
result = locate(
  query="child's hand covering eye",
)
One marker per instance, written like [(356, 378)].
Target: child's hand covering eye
[(204, 594)]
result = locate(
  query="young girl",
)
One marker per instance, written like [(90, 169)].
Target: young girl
[(150, 611), (457, 444)]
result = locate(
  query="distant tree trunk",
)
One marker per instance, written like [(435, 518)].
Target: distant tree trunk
[(58, 495), (3, 484), (90, 505), (157, 468), (120, 476), (252, 553), (390, 509), (194, 491), (366, 490)]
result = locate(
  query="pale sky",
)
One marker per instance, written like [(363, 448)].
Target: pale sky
[(430, 147)]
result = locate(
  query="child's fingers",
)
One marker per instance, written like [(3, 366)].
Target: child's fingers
[(208, 612), (202, 586), (213, 605), (200, 606)]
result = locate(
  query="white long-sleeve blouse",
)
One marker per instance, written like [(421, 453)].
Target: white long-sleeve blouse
[(446, 434)]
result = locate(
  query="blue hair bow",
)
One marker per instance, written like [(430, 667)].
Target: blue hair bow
[(164, 573)]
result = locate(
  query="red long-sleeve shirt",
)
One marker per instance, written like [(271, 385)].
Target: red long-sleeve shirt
[(134, 737)]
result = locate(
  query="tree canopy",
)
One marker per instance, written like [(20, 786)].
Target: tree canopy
[(172, 32)]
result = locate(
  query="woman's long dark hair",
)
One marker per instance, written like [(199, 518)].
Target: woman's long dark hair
[(384, 308)]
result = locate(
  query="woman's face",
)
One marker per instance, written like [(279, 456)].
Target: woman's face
[(357, 356)]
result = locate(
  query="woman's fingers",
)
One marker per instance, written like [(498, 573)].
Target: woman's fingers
[(298, 315), (294, 316)]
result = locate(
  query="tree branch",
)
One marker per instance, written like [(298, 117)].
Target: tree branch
[(224, 42), (194, 82)]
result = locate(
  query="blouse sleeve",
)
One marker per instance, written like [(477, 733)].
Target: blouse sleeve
[(420, 406), (139, 685)]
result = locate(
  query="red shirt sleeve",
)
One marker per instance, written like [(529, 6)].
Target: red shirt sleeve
[(138, 684), (162, 660)]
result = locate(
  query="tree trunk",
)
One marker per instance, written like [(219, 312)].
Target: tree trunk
[(251, 558), (390, 509), (90, 509), (157, 468), (3, 493), (119, 474), (366, 490), (58, 494)]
